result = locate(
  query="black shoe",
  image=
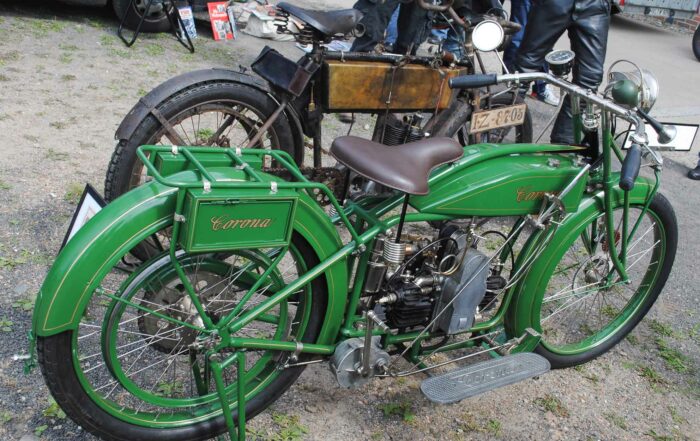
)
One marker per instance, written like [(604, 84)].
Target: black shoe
[(695, 173)]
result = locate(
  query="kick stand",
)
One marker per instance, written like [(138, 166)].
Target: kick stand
[(173, 16), (217, 369)]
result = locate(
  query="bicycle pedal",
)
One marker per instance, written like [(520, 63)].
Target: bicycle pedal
[(482, 377)]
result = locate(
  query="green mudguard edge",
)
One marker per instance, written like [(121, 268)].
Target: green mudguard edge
[(518, 316), (101, 242)]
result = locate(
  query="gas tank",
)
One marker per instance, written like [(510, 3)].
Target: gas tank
[(484, 183)]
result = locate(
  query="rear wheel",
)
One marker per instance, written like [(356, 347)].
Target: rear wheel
[(696, 43), (581, 314), (130, 373)]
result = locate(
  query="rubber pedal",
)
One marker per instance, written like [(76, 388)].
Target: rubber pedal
[(484, 376)]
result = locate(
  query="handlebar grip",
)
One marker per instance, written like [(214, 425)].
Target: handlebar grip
[(473, 81), (630, 167)]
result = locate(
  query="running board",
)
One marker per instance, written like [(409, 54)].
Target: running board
[(482, 377)]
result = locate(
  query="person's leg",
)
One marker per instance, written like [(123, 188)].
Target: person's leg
[(547, 21), (519, 10), (392, 31), (414, 28), (589, 37), (375, 20)]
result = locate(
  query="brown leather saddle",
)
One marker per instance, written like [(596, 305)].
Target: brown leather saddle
[(329, 23), (404, 167)]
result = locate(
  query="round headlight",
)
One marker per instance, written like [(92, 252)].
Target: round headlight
[(647, 86), (487, 36)]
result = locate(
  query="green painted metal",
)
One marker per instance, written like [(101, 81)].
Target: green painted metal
[(511, 182), (140, 213), (168, 163), (215, 221), (523, 311)]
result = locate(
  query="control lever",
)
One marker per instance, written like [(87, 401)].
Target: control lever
[(665, 134)]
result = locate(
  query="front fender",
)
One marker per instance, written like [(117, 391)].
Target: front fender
[(117, 228), (518, 316)]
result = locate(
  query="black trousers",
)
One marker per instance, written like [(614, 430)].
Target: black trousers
[(587, 22), (413, 25)]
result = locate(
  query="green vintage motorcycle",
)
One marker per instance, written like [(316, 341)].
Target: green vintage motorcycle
[(488, 265)]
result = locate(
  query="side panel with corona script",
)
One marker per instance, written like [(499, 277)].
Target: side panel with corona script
[(215, 221)]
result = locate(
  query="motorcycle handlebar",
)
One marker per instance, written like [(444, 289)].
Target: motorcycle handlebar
[(473, 81), (630, 167)]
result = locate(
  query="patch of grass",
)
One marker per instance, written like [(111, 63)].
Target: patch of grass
[(54, 410), (632, 339), (289, 428), (401, 408), (68, 77), (469, 423), (171, 388), (5, 417), (5, 116), (25, 303), (661, 329), (610, 311), (68, 47), (75, 191), (4, 185), (155, 50), (65, 58), (552, 404), (494, 427), (616, 420), (107, 40), (675, 416), (41, 28), (58, 125), (8, 56), (4, 78), (6, 325), (656, 437), (53, 155), (673, 358), (650, 374), (40, 430), (120, 53), (12, 262)]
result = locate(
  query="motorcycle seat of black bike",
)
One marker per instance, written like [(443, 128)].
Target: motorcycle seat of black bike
[(404, 167), (329, 23)]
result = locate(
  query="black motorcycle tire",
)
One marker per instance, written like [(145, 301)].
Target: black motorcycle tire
[(56, 362), (454, 121), (124, 162), (131, 14), (696, 43)]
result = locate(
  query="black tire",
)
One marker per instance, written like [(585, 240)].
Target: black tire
[(55, 355), (455, 121), (125, 171), (156, 20), (617, 318), (696, 43)]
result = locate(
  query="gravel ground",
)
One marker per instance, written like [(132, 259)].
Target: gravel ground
[(66, 84)]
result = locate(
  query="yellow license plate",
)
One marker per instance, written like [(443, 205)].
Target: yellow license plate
[(497, 118)]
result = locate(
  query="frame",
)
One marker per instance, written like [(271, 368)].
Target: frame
[(90, 203)]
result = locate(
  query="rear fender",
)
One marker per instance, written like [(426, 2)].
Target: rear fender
[(122, 224), (162, 92)]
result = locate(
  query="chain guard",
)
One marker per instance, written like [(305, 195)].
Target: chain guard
[(331, 177)]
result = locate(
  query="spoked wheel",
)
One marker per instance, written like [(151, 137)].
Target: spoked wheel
[(456, 122), (136, 367), (217, 114), (585, 309)]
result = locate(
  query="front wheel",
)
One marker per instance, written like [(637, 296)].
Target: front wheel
[(581, 312), (696, 43), (132, 371)]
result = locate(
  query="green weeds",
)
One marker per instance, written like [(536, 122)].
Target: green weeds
[(401, 408), (550, 403)]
